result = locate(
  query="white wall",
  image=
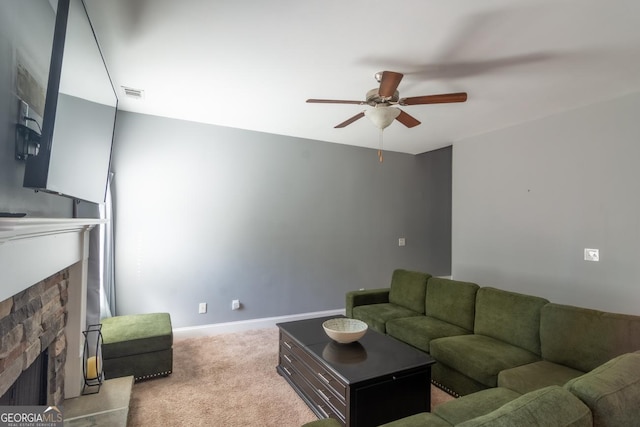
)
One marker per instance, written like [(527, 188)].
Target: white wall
[(528, 199)]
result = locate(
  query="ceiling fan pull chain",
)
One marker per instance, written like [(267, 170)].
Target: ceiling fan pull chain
[(380, 158)]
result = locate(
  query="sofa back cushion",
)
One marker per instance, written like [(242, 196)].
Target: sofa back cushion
[(584, 339), (612, 391), (408, 289), (551, 406), (452, 301), (510, 317)]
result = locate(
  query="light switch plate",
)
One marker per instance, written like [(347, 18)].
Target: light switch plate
[(591, 254)]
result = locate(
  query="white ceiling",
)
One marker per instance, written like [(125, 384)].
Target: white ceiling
[(251, 64)]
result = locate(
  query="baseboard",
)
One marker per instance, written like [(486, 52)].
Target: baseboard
[(245, 325)]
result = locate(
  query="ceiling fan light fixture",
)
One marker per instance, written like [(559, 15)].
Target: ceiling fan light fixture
[(382, 116)]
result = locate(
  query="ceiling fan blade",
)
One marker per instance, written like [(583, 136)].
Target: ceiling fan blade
[(434, 99), (407, 119), (351, 120), (389, 83), (334, 101)]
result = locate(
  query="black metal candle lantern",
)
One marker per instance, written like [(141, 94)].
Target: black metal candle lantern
[(92, 356)]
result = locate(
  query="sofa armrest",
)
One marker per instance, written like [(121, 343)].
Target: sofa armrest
[(611, 390), (549, 406), (366, 297)]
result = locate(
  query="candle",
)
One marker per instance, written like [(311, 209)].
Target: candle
[(92, 368)]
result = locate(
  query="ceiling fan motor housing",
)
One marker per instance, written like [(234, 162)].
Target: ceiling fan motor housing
[(374, 98)]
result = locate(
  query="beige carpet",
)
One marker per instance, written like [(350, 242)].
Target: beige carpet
[(224, 380)]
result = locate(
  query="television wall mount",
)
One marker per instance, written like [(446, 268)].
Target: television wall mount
[(27, 139)]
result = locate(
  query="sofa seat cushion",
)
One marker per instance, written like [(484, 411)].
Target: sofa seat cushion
[(423, 419), (551, 406), (136, 334), (377, 315), (533, 376), (474, 405), (408, 289), (479, 357), (418, 331), (612, 391)]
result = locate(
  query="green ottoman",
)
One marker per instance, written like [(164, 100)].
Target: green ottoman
[(138, 345)]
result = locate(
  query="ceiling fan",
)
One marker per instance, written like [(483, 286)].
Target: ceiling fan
[(384, 97)]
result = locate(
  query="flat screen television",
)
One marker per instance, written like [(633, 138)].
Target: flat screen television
[(79, 113)]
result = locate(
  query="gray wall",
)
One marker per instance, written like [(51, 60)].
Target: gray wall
[(285, 225), (528, 199), (29, 45)]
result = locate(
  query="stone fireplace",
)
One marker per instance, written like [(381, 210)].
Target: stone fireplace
[(43, 270)]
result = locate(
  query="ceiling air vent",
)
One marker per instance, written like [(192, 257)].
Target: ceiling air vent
[(133, 93)]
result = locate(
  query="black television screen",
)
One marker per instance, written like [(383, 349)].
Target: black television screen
[(79, 114)]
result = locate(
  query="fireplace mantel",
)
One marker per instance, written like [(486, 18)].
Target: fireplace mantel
[(32, 249), (22, 228)]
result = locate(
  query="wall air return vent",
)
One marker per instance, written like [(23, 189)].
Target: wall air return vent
[(133, 93)]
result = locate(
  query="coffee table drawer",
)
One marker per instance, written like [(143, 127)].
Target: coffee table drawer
[(318, 400), (317, 370), (325, 392)]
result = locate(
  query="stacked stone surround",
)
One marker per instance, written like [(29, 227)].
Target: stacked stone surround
[(31, 322)]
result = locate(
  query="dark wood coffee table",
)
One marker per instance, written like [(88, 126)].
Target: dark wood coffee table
[(367, 383)]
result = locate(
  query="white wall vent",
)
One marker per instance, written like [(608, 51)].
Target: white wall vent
[(133, 93)]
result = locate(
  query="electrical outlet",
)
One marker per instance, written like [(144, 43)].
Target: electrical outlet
[(402, 241), (23, 111), (202, 308), (235, 304)]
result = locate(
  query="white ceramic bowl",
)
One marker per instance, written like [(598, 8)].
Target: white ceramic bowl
[(344, 330)]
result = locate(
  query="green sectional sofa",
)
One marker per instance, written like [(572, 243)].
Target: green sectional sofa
[(484, 337), (516, 359)]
